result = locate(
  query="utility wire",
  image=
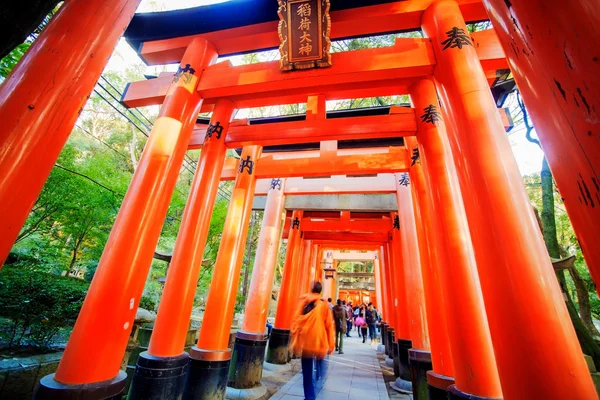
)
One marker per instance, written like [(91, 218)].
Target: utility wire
[(189, 163)]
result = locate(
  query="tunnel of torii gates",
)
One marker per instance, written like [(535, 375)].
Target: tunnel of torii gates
[(464, 282)]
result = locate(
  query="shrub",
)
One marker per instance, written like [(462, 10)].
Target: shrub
[(38, 303), (147, 303)]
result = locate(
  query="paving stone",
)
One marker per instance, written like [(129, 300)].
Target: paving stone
[(357, 374)]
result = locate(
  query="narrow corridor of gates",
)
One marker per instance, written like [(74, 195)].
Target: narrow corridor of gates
[(424, 199)]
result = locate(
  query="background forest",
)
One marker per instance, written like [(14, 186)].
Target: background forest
[(56, 254)]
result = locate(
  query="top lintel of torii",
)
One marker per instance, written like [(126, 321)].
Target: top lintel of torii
[(364, 73), (161, 38)]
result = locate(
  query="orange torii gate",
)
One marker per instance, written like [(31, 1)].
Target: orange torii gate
[(463, 220)]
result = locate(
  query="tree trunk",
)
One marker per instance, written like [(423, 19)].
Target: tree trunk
[(583, 325), (548, 220), (583, 301), (588, 345)]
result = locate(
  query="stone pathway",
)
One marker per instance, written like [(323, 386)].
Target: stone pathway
[(356, 374)]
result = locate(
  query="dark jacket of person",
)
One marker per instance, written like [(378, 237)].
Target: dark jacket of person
[(339, 318), (371, 316)]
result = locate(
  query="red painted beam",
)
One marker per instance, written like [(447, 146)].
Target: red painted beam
[(364, 21), (354, 74), (401, 123), (396, 160), (348, 237), (381, 184)]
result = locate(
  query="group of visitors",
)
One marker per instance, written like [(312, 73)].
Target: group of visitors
[(319, 328), (364, 316)]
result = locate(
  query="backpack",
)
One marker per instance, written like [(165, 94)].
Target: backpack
[(309, 307)]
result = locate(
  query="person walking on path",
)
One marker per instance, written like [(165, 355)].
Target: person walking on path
[(339, 318), (371, 320), (361, 325), (312, 336), (330, 303), (349, 319)]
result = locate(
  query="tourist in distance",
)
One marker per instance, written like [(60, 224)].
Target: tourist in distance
[(371, 320), (339, 318), (362, 325), (349, 318), (312, 336)]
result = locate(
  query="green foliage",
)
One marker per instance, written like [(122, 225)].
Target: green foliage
[(38, 303), (148, 303), (567, 240), (11, 59)]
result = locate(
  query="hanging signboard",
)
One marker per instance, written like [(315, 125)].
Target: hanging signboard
[(304, 29)]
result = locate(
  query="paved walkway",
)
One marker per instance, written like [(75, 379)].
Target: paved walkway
[(356, 374)]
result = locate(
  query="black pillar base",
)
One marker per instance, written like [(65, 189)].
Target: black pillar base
[(455, 394), (395, 356), (388, 341), (420, 363), (207, 375), (403, 347), (277, 350), (437, 385), (245, 371), (158, 378), (50, 389), (383, 333)]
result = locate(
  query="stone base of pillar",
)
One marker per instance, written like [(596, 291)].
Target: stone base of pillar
[(402, 386), (207, 375), (246, 394), (277, 349), (437, 385), (157, 378), (420, 363), (380, 349), (276, 367), (455, 394), (389, 362), (245, 371), (396, 357), (403, 364), (389, 333), (50, 389)]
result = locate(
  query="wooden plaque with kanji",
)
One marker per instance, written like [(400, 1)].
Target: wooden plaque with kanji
[(304, 27)]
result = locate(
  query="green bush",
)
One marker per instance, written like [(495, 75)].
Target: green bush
[(38, 303), (148, 303)]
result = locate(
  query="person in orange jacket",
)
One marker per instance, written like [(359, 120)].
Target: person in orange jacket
[(312, 336)]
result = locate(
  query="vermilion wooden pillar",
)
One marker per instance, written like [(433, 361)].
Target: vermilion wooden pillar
[(251, 340), (96, 346), (165, 351), (404, 257), (313, 264), (466, 323), (207, 375), (549, 45), (379, 284), (277, 351), (399, 297), (389, 279), (319, 266), (305, 264), (43, 96), (441, 359), (504, 231), (416, 258)]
